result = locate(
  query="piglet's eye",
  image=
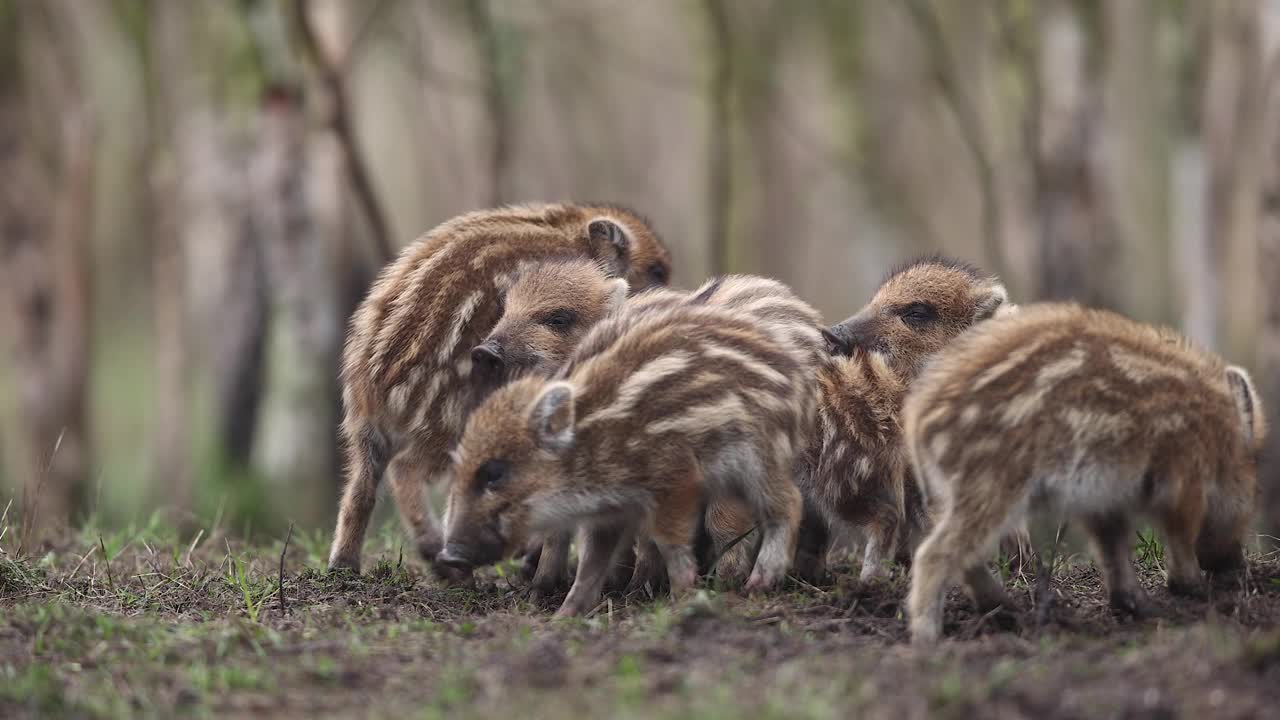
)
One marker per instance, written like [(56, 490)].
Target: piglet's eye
[(559, 320), (491, 474), (918, 314), (659, 273)]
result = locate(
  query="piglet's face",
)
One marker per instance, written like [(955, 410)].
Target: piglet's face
[(509, 457), (916, 312), (546, 312)]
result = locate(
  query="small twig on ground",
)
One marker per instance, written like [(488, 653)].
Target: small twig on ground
[(801, 581), (106, 560), (192, 548), (93, 549), (283, 550), (4, 528), (976, 626)]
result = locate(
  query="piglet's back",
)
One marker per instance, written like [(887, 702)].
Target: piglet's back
[(1020, 388), (684, 372), (411, 339)]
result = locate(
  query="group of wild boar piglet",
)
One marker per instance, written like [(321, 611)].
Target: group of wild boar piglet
[(533, 358)]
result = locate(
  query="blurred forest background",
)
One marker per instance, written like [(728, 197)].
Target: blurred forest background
[(195, 195)]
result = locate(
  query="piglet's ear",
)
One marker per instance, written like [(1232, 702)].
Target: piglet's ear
[(551, 418), (615, 294), (1253, 422), (990, 299), (610, 246)]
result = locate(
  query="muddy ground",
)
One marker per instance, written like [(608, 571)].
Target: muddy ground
[(138, 624)]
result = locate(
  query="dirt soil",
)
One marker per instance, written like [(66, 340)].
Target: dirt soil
[(163, 628)]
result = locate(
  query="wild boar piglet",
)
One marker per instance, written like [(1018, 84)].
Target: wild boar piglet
[(548, 310), (856, 475), (1092, 415), (653, 414), (407, 369)]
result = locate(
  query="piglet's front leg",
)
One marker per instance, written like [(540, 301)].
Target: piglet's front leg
[(599, 549)]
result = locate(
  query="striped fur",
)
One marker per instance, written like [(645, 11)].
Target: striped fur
[(407, 367), (1089, 414), (856, 476), (580, 290), (653, 413)]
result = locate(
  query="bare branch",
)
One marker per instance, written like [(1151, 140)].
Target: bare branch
[(967, 119), (332, 74)]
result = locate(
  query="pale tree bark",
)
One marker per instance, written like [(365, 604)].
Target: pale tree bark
[(306, 333), (236, 329), (45, 224), (1268, 347), (498, 97), (773, 231), (1230, 124), (1076, 247), (1136, 163), (168, 119), (299, 181), (720, 133), (328, 47)]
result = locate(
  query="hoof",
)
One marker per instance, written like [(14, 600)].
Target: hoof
[(874, 572), (345, 565), (566, 611), (543, 588), (1128, 603), (925, 637), (1188, 589), (759, 583)]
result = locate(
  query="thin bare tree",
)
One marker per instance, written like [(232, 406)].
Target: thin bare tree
[(1075, 242), (720, 133), (499, 96), (331, 64), (45, 219), (1268, 349)]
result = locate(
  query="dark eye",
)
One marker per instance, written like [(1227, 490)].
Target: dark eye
[(491, 474), (918, 314), (659, 273), (559, 320)]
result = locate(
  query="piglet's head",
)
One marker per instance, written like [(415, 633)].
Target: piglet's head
[(510, 459), (918, 309), (546, 312)]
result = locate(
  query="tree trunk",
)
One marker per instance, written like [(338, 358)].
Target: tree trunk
[(167, 206), (498, 96), (1136, 162), (1268, 348), (306, 334), (720, 134), (44, 277), (1075, 245), (1230, 112)]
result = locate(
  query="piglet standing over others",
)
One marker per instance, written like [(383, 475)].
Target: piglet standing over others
[(654, 414), (1090, 414), (408, 367)]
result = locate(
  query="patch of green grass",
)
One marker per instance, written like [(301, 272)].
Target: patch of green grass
[(1149, 551), (394, 574), (18, 576), (253, 592)]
